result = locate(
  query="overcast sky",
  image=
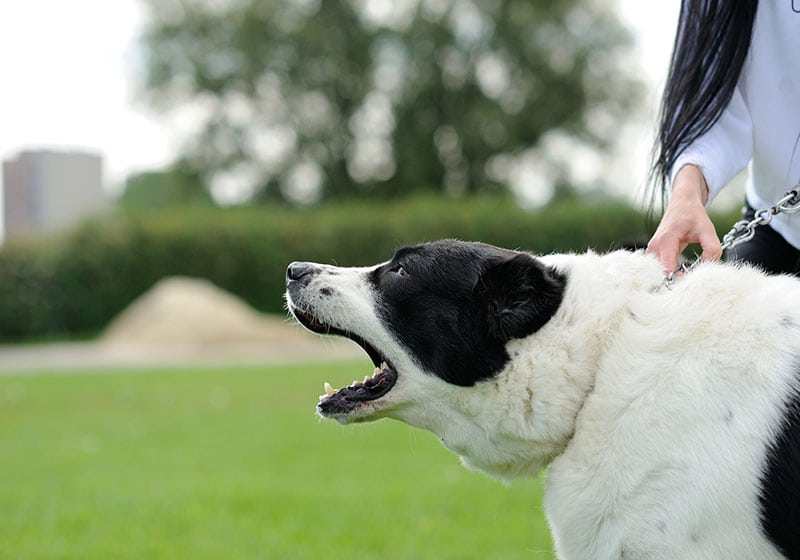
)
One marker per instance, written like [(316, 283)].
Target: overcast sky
[(68, 72)]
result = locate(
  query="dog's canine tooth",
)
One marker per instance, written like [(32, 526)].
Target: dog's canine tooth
[(377, 371), (329, 390), (366, 378), (384, 366)]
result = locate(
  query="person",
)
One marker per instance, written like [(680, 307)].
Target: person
[(732, 97)]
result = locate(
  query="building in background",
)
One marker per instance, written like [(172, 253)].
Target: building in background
[(46, 191)]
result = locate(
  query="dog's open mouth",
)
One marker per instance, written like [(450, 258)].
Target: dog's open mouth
[(336, 402)]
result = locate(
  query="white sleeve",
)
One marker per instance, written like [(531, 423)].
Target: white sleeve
[(724, 150)]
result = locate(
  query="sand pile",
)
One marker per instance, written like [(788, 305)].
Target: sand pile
[(184, 322), (189, 318)]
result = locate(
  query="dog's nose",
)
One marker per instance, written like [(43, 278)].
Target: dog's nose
[(298, 270)]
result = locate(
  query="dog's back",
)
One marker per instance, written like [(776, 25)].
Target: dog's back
[(689, 444)]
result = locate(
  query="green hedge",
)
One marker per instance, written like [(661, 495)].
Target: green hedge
[(74, 285)]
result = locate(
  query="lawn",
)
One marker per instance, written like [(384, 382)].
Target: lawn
[(233, 463)]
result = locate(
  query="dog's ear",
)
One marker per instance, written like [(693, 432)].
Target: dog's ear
[(519, 295)]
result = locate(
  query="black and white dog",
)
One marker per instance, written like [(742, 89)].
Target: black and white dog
[(669, 419)]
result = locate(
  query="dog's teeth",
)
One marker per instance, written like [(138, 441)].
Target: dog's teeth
[(322, 397), (376, 372), (384, 366), (366, 378), (329, 390)]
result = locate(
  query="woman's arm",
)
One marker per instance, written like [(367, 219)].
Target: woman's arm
[(685, 221), (702, 170)]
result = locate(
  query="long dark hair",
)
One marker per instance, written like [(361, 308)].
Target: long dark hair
[(711, 45)]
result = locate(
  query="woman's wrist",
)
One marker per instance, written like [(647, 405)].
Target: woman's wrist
[(690, 184)]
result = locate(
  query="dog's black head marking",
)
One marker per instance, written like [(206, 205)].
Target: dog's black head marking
[(455, 305)]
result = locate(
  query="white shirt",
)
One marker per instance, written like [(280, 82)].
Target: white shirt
[(761, 124)]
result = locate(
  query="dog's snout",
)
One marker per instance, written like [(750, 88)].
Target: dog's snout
[(300, 270)]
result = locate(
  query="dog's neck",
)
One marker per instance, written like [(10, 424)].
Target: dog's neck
[(514, 424)]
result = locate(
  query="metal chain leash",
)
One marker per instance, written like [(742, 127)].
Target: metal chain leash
[(744, 230)]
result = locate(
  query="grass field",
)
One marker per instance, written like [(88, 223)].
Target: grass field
[(219, 464)]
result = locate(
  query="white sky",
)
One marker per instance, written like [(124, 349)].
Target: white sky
[(67, 71), (67, 79)]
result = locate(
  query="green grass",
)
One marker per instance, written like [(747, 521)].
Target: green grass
[(234, 464)]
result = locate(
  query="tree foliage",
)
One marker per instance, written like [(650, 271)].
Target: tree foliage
[(304, 99), (155, 190)]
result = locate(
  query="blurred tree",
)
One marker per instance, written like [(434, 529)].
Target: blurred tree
[(307, 99), (156, 190)]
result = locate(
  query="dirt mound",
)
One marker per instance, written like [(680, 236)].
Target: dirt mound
[(184, 322), (193, 311), (188, 319)]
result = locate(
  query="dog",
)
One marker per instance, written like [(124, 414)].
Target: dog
[(668, 418)]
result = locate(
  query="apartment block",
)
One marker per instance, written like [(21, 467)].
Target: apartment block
[(47, 191)]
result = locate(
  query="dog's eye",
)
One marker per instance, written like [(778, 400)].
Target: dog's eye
[(400, 271)]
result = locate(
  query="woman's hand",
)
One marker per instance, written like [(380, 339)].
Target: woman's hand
[(685, 221)]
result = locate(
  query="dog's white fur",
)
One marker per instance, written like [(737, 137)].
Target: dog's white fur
[(652, 407)]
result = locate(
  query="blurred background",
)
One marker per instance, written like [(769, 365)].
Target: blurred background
[(164, 160), (256, 88), (223, 139)]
